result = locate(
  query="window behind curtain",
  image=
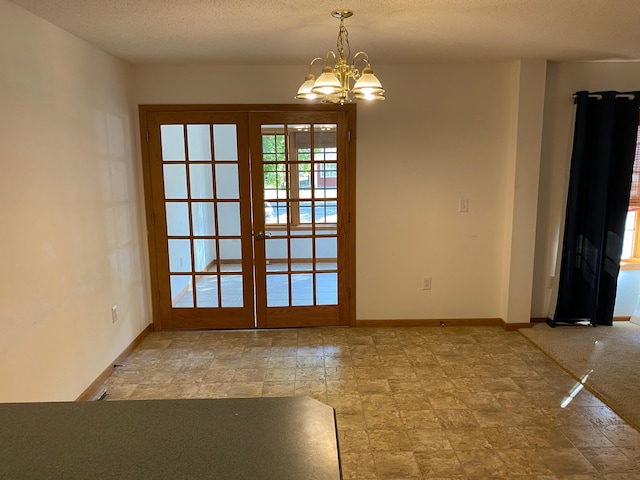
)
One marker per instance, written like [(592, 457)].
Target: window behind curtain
[(631, 243)]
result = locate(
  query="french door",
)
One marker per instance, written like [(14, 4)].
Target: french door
[(249, 216)]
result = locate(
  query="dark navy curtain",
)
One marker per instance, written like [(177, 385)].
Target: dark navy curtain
[(599, 185)]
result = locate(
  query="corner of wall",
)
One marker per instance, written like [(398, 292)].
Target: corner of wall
[(522, 189)]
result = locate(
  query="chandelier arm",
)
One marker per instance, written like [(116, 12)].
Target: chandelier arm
[(361, 56), (314, 61), (330, 53)]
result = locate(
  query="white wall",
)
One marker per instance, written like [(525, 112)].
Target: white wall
[(563, 80), (418, 154), (521, 195), (72, 243)]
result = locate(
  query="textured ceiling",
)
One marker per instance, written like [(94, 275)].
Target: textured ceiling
[(392, 31)]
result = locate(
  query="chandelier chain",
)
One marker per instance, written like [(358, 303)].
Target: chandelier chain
[(343, 39)]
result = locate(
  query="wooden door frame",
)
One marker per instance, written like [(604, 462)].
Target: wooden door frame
[(145, 110), (201, 318)]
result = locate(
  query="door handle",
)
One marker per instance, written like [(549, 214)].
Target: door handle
[(263, 235)]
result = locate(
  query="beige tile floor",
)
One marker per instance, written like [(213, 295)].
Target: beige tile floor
[(411, 403)]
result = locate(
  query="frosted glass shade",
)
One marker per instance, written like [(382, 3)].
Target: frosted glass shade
[(304, 92), (368, 86), (328, 83)]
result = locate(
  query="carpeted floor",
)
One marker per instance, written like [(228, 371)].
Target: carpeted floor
[(605, 359)]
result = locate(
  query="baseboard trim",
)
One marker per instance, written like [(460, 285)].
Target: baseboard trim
[(615, 319), (431, 322), (92, 389), (510, 327)]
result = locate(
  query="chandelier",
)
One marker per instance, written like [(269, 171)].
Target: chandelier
[(341, 82)]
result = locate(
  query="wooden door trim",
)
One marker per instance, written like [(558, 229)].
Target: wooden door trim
[(248, 108), (351, 248), (149, 216), (351, 199)]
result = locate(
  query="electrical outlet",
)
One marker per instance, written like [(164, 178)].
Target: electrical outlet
[(463, 205), (114, 314), (426, 283)]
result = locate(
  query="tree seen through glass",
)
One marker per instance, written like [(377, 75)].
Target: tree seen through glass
[(275, 178)]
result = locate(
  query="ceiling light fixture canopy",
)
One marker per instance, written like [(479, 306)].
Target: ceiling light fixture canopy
[(341, 82)]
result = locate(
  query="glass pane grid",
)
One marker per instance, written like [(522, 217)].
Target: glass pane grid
[(302, 189), (212, 291), (301, 267), (202, 203), (276, 212), (295, 274), (302, 289)]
